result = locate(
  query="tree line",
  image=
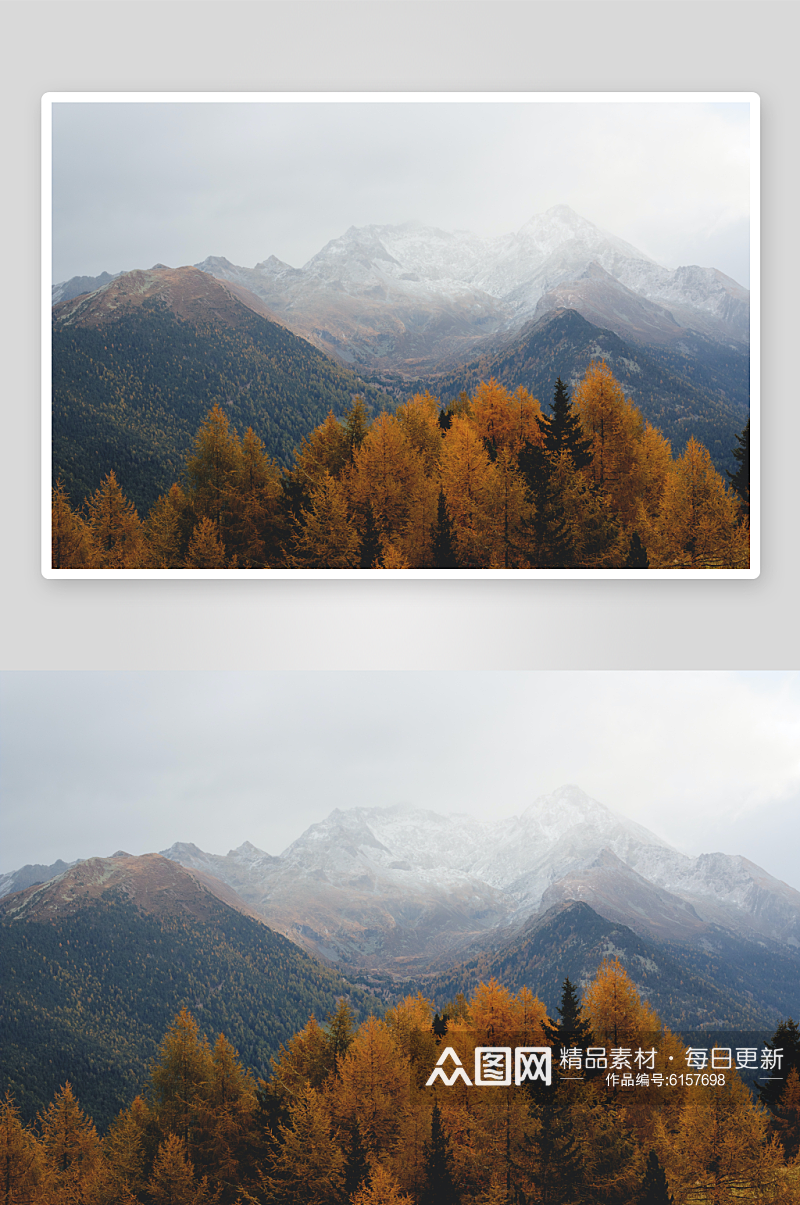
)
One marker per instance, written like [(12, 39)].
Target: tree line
[(487, 482), (351, 1116)]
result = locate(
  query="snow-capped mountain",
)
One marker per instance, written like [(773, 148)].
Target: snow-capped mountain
[(392, 296), (401, 887), (386, 885)]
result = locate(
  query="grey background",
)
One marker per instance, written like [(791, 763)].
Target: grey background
[(396, 46)]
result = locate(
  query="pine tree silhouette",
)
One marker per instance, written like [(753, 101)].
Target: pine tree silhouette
[(655, 1190), (444, 556), (563, 431), (371, 549), (637, 554), (740, 480), (439, 1187)]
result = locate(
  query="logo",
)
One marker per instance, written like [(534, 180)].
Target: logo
[(493, 1066)]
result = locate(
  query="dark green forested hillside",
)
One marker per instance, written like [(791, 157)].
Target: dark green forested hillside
[(700, 389), (89, 997), (740, 985), (130, 395)]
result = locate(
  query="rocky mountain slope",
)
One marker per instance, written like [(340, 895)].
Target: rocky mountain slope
[(402, 896), (27, 876), (407, 307)]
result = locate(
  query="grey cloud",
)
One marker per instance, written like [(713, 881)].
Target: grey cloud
[(138, 183)]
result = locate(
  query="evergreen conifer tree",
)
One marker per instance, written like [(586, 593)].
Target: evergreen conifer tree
[(340, 1033), (740, 480), (357, 423), (440, 1025), (786, 1039), (552, 537), (356, 1166), (637, 554), (444, 556), (655, 1190), (439, 1187), (563, 433), (556, 1146), (371, 550), (573, 1029)]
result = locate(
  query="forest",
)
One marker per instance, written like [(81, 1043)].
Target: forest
[(87, 997), (487, 482), (354, 1115), (132, 394)]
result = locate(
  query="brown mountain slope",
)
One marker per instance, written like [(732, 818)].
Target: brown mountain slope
[(190, 294), (153, 884)]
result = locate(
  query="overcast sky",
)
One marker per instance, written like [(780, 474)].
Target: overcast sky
[(136, 184), (94, 762)]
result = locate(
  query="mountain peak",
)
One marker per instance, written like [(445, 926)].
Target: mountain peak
[(564, 213), (570, 810)]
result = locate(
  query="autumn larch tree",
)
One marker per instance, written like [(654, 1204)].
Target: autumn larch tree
[(21, 1158), (179, 1077), (698, 524), (308, 1162), (206, 549), (255, 527), (721, 1149), (212, 467), (616, 1012), (615, 428), (173, 1180), (71, 538), (71, 1146), (326, 537), (116, 530), (165, 530)]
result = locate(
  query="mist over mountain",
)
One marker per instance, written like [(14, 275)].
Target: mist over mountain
[(394, 899), (415, 298), (401, 886), (139, 358)]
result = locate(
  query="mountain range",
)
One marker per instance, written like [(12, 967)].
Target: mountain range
[(415, 297), (140, 357), (395, 894), (368, 905)]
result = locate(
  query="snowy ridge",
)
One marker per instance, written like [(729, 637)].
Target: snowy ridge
[(417, 296), (508, 275), (401, 885)]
